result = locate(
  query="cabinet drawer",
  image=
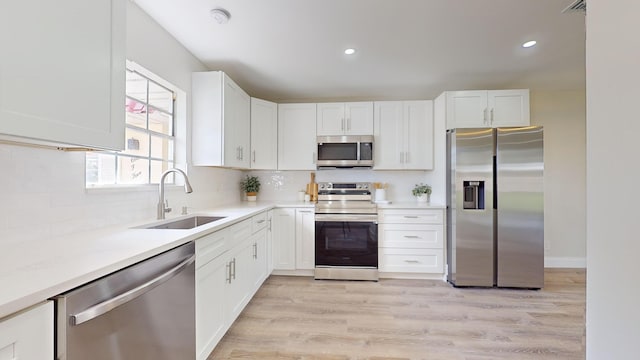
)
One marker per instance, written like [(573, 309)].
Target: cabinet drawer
[(411, 260), (210, 247), (239, 232), (411, 236), (258, 222), (394, 216)]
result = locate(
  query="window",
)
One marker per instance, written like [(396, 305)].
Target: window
[(150, 137)]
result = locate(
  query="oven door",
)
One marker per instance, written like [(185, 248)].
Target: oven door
[(347, 240)]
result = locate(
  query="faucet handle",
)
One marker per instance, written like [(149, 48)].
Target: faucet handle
[(167, 209)]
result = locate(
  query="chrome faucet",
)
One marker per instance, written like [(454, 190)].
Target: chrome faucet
[(162, 209)]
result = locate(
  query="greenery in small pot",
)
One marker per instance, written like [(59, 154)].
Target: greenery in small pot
[(421, 189), (250, 185)]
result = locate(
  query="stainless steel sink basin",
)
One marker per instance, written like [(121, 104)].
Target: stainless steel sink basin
[(185, 223)]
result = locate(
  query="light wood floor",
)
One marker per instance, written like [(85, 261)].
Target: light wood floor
[(301, 318)]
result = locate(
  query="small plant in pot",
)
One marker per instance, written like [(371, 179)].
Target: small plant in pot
[(422, 192), (250, 185)]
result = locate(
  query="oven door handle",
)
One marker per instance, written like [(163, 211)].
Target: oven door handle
[(347, 218)]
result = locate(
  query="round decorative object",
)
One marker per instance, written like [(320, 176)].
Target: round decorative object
[(423, 198)]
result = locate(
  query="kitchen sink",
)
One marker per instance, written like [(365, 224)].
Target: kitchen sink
[(185, 223)]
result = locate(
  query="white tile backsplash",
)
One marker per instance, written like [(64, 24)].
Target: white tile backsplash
[(284, 185), (42, 194)]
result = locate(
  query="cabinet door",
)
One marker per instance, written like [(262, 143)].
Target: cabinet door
[(206, 136), (467, 109), (388, 135), (305, 239), (330, 119), (62, 71), (29, 335), (211, 281), (238, 291), (508, 107), (358, 118), (418, 129), (259, 273), (264, 135), (297, 137), (269, 245), (283, 229), (236, 118)]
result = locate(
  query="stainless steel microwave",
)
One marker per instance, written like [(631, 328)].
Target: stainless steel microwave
[(345, 151)]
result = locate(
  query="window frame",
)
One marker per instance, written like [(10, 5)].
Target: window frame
[(178, 130)]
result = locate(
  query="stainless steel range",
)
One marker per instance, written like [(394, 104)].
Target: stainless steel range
[(346, 232)]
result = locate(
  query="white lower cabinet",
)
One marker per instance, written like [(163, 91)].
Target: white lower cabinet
[(411, 241), (305, 239), (28, 335), (231, 265), (293, 234), (283, 234)]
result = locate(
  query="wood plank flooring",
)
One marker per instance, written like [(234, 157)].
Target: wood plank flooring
[(301, 318)]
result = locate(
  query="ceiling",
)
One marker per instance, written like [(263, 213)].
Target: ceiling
[(293, 50)]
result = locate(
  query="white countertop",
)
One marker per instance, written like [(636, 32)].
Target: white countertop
[(34, 271)]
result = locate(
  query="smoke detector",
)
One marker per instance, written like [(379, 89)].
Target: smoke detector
[(578, 6), (221, 16)]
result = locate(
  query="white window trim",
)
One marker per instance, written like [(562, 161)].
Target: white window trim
[(180, 136)]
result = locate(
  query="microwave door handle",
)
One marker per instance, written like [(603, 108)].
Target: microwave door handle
[(108, 305), (358, 144)]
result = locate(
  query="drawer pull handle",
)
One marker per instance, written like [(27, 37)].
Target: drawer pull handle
[(261, 221), (410, 217), (412, 237), (412, 261)]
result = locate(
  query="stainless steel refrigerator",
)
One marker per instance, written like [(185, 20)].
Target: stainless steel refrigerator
[(495, 226)]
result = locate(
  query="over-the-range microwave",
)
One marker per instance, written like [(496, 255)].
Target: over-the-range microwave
[(345, 151)]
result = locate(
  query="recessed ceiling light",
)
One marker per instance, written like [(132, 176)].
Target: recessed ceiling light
[(529, 44), (221, 16), (350, 51)]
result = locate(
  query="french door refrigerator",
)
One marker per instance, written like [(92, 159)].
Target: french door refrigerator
[(495, 227)]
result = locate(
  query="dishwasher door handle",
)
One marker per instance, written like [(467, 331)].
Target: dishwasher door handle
[(108, 305)]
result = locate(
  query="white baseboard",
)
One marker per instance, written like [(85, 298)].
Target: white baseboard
[(565, 262)]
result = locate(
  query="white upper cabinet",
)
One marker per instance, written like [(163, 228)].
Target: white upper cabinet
[(264, 134), (492, 108), (352, 118), (221, 121), (62, 72), (403, 133), (297, 137)]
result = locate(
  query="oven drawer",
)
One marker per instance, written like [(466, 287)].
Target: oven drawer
[(399, 216), (411, 236), (411, 260)]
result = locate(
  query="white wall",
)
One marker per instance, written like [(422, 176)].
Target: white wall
[(563, 113), (42, 192), (613, 125)]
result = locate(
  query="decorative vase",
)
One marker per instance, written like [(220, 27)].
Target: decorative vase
[(252, 196), (423, 198)]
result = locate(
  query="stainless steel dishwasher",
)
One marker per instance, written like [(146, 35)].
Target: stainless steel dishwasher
[(143, 312)]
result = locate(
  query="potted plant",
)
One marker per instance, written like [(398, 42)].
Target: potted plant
[(250, 185), (422, 192)]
